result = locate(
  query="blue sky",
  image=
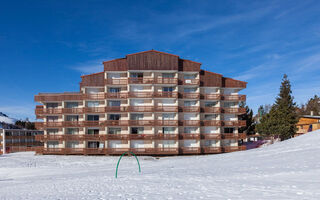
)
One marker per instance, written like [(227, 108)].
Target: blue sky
[(46, 45)]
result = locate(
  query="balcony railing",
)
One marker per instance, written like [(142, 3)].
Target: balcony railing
[(166, 151), (191, 95), (141, 80), (166, 81), (189, 109), (166, 94), (190, 150), (140, 108), (140, 94), (95, 109), (117, 136), (46, 111), (211, 109), (116, 123), (116, 95), (211, 149), (116, 81), (166, 136), (230, 136), (190, 136), (189, 123), (94, 96), (141, 136), (72, 110), (234, 123), (189, 81), (116, 109), (234, 110), (233, 148), (211, 136), (58, 96), (234, 97), (141, 122), (211, 123), (211, 96), (166, 109), (166, 123)]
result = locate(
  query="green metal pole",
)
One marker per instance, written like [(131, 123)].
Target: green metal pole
[(118, 164), (137, 160), (120, 159)]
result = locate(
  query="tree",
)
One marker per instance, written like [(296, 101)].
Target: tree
[(313, 105), (248, 117), (282, 118)]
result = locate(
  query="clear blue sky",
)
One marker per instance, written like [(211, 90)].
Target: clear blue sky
[(46, 45)]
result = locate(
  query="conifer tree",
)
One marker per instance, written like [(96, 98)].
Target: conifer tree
[(248, 117)]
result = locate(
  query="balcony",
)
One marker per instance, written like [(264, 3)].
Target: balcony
[(166, 95), (140, 94), (189, 109), (72, 110), (40, 125), (95, 151), (141, 136), (211, 149), (190, 150), (230, 136), (211, 96), (166, 136), (116, 109), (72, 123), (96, 96), (211, 109), (190, 136), (189, 123), (211, 123), (49, 137), (116, 123), (234, 97), (166, 123), (166, 151), (142, 151), (140, 109), (141, 80), (94, 110), (40, 110), (117, 136), (234, 110), (166, 109), (74, 151), (227, 149), (50, 150), (116, 81), (116, 95), (141, 122), (237, 123), (189, 82), (166, 81), (211, 136), (95, 137), (42, 97), (191, 95), (117, 151)]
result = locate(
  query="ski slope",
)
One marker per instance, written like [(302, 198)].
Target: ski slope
[(285, 170)]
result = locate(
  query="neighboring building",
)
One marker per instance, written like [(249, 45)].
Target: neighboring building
[(150, 103), (16, 140), (308, 123)]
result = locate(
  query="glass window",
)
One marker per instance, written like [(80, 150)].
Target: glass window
[(114, 103), (229, 104), (72, 118), (52, 105), (93, 144), (168, 130), (210, 117), (72, 144), (53, 144), (72, 104), (72, 131), (136, 116), (136, 75), (114, 75), (93, 131), (93, 117), (190, 129), (93, 90), (52, 131), (137, 130), (114, 131), (52, 118), (189, 90), (93, 103), (190, 103), (114, 116), (168, 116), (189, 76), (210, 103), (114, 90), (228, 130), (167, 75), (167, 89)]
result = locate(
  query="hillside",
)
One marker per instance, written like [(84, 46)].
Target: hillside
[(6, 119), (286, 170)]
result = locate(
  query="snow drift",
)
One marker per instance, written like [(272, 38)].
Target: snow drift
[(285, 170)]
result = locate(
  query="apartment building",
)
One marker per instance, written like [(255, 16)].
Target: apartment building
[(17, 140), (149, 103)]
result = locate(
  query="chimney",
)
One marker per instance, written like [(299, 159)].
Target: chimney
[(311, 113)]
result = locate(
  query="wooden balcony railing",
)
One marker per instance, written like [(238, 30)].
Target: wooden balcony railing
[(234, 97), (140, 109), (72, 123), (117, 136), (227, 149), (166, 94), (189, 123), (116, 123), (190, 136), (40, 125), (117, 151), (191, 95), (211, 149), (190, 150), (116, 81), (189, 81), (211, 109), (166, 81), (141, 80), (116, 109), (211, 96), (45, 111), (166, 151), (58, 96), (234, 110), (166, 136), (95, 109), (211, 123), (73, 110), (230, 136), (95, 151), (141, 122), (234, 123), (142, 151), (94, 96), (211, 136), (189, 109), (166, 109), (117, 95), (166, 123), (140, 94), (141, 136)]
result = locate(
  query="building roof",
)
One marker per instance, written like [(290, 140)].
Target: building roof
[(310, 116)]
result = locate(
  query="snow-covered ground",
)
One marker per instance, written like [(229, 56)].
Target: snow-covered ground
[(285, 170)]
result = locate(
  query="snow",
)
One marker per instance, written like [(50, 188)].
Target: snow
[(7, 120), (285, 170)]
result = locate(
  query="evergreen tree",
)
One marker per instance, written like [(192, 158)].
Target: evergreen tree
[(282, 118), (248, 117)]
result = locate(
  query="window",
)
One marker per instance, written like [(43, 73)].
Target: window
[(168, 143), (136, 116), (210, 103), (93, 90), (167, 89), (93, 103), (53, 144), (168, 102), (113, 75), (93, 144), (72, 131), (137, 130), (190, 103), (210, 143), (210, 117), (72, 104), (72, 144), (168, 116), (114, 103), (189, 76), (52, 131), (190, 129), (136, 75), (229, 104), (92, 131), (52, 118), (52, 105), (136, 88), (72, 118), (167, 75), (114, 117), (114, 90), (93, 117), (168, 130), (114, 131), (228, 130), (189, 90)]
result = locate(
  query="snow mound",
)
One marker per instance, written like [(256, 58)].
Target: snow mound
[(285, 170), (4, 118)]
